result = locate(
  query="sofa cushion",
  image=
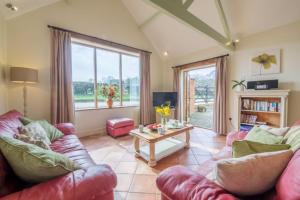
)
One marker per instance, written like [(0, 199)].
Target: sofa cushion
[(288, 185), (275, 131), (233, 136), (35, 131), (70, 146), (30, 140), (293, 138), (120, 122), (25, 120), (258, 172), (244, 148), (52, 132), (257, 134), (32, 163), (178, 183)]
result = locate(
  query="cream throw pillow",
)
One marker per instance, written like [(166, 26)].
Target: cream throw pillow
[(275, 131), (35, 131), (252, 174)]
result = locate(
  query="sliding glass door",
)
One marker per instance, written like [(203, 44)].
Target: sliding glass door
[(199, 95)]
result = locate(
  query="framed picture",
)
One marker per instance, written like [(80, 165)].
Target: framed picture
[(266, 62)]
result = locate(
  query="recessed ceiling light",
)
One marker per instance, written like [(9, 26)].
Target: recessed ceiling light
[(166, 53), (11, 7), (237, 40)]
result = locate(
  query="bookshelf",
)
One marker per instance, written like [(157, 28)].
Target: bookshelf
[(262, 107)]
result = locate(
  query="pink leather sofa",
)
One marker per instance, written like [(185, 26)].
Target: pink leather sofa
[(180, 183), (91, 182)]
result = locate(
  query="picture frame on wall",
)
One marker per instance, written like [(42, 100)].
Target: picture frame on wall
[(266, 62)]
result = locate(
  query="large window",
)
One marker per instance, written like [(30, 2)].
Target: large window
[(94, 68)]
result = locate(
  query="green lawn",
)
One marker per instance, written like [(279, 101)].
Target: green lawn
[(89, 98)]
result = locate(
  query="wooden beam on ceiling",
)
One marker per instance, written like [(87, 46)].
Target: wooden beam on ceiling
[(187, 3), (150, 19), (177, 9), (223, 19), (67, 1)]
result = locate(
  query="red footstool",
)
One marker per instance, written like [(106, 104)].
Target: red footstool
[(119, 126)]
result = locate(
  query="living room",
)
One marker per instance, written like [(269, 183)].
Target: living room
[(102, 86)]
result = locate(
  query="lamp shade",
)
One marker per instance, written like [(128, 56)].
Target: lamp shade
[(23, 75)]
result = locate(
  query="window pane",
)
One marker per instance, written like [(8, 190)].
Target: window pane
[(131, 80), (83, 76), (108, 74)]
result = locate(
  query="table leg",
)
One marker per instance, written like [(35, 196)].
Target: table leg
[(137, 146), (152, 161), (187, 139)]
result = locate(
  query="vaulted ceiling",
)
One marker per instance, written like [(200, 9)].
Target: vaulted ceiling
[(24, 6), (245, 17), (166, 33)]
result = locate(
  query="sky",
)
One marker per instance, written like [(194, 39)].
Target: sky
[(107, 64)]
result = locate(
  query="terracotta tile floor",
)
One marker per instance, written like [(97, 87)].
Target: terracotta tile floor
[(136, 180)]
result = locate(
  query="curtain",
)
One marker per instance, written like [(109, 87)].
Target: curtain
[(145, 91), (176, 88), (62, 109), (220, 123)]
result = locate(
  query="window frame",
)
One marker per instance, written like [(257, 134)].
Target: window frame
[(120, 54)]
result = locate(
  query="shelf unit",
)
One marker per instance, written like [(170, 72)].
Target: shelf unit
[(272, 108)]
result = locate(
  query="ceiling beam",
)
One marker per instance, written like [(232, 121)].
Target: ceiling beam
[(150, 19), (177, 9), (223, 19), (67, 1), (187, 3)]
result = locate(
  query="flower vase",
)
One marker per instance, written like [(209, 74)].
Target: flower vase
[(109, 103), (163, 121)]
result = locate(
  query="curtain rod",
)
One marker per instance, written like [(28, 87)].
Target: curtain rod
[(93, 37), (201, 60)]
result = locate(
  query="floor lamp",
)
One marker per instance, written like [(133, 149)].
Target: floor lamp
[(24, 76)]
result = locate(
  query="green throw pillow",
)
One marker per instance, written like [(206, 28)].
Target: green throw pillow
[(25, 120), (32, 163), (292, 137), (52, 132), (244, 148), (257, 134)]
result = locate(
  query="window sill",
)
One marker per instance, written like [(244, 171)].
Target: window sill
[(105, 108)]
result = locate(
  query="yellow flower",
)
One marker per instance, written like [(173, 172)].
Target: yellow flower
[(164, 111)]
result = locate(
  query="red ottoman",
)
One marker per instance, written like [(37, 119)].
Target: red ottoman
[(119, 126)]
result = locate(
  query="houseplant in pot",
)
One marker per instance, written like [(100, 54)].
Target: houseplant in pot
[(239, 86), (109, 92)]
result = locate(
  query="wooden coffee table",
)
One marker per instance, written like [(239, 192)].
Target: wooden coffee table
[(160, 146)]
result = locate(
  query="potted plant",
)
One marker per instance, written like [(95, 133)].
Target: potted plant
[(110, 93), (164, 111), (239, 85)]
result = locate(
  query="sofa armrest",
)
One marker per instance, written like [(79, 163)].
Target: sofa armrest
[(66, 128), (235, 135), (91, 183), (178, 183)]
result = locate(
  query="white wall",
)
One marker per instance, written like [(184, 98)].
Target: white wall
[(29, 46), (3, 88), (286, 38)]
